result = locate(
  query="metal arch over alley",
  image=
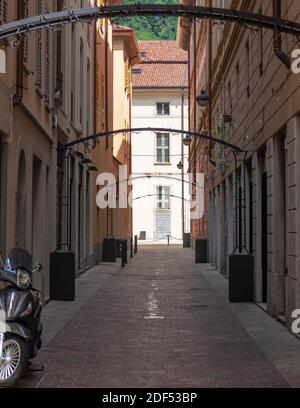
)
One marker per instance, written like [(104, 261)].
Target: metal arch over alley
[(56, 19), (202, 135)]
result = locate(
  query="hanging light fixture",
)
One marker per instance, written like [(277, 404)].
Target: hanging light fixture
[(180, 165), (187, 140), (202, 99)]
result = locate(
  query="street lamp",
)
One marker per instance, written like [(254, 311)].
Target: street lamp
[(187, 140), (86, 161), (180, 165), (202, 99), (92, 168)]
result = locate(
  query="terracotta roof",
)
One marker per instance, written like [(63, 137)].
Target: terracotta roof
[(163, 65)]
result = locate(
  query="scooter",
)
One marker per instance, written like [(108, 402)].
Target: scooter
[(20, 316)]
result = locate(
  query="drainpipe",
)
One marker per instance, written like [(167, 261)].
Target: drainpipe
[(277, 38), (182, 159), (210, 147), (106, 102), (18, 96)]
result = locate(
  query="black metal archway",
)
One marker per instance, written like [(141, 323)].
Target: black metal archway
[(156, 195), (55, 19), (201, 135)]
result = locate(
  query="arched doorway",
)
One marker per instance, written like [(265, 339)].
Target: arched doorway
[(20, 234)]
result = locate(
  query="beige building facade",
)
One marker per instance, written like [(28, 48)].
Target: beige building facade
[(256, 205), (113, 67), (48, 98)]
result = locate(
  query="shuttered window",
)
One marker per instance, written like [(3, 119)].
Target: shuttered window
[(163, 108), (3, 11), (38, 51), (47, 67), (163, 197), (163, 147), (25, 38)]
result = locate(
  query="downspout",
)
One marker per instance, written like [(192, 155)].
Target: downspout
[(210, 147), (106, 103), (18, 96), (277, 37), (182, 160), (195, 96)]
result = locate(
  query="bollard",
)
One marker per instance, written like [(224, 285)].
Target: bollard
[(124, 253), (168, 239), (135, 244), (131, 247)]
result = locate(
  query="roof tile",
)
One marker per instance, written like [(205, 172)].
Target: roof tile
[(163, 65)]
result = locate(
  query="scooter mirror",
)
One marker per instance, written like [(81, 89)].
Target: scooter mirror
[(37, 268)]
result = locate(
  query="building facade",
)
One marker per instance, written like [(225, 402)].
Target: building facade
[(253, 202), (114, 90), (160, 101), (47, 97)]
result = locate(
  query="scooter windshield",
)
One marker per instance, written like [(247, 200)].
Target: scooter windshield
[(18, 258)]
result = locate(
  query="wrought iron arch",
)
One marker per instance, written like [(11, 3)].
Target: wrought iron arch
[(56, 19), (201, 135)]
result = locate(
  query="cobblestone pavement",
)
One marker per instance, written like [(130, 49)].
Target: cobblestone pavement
[(156, 323)]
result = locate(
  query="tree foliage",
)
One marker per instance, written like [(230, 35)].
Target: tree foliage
[(151, 28)]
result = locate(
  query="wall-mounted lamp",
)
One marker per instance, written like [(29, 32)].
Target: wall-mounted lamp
[(180, 165), (87, 161), (78, 154), (202, 99), (92, 168), (187, 140)]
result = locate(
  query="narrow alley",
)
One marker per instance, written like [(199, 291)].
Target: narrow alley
[(161, 322)]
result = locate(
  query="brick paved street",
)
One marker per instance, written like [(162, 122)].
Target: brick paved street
[(156, 323)]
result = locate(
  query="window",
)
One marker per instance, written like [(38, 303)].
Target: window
[(247, 52), (25, 13), (136, 70), (163, 108), (38, 51), (260, 48), (163, 147), (3, 11), (163, 197), (100, 21), (47, 67), (82, 84), (73, 74), (127, 77)]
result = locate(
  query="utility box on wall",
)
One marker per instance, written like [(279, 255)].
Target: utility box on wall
[(241, 278)]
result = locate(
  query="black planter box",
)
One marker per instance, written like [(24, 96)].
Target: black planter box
[(201, 251), (241, 278), (109, 250), (62, 276), (186, 240), (143, 236), (119, 243)]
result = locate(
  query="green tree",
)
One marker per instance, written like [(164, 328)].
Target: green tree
[(151, 28)]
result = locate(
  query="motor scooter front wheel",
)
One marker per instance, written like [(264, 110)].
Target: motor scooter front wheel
[(14, 360)]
